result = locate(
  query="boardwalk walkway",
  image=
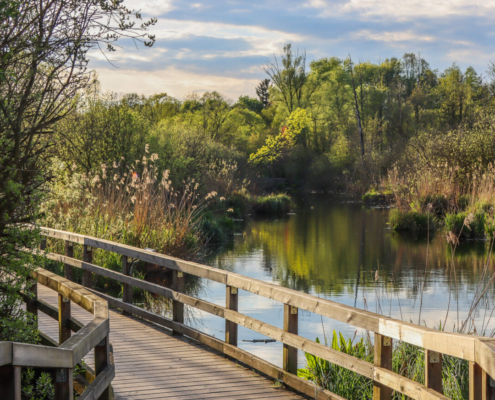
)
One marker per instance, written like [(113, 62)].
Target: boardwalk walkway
[(152, 364)]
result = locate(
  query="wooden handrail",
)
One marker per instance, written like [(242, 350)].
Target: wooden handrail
[(478, 351), (71, 351)]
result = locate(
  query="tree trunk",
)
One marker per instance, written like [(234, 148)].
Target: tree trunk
[(358, 117)]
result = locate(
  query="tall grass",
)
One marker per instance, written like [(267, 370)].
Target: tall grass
[(449, 199), (407, 360), (129, 203)]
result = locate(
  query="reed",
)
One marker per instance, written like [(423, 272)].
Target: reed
[(130, 203)]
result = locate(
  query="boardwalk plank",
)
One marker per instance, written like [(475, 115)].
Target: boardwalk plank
[(152, 364)]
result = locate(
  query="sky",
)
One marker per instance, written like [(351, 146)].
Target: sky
[(223, 45)]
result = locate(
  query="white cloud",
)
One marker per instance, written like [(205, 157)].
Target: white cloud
[(467, 55), (404, 9), (173, 81), (151, 7), (175, 29), (392, 36)]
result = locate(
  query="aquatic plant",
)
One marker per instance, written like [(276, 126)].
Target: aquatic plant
[(411, 220)]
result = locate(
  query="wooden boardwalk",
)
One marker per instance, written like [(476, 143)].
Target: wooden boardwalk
[(152, 364)]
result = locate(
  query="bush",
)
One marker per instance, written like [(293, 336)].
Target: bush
[(375, 196), (411, 220), (467, 225), (273, 204), (216, 229)]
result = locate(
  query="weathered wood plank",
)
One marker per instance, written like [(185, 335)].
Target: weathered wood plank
[(433, 371), (175, 371), (5, 353), (290, 326), (383, 359), (231, 303)]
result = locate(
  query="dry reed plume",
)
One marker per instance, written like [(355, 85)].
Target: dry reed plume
[(131, 203)]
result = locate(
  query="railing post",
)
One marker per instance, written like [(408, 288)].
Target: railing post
[(476, 373), (88, 257), (102, 360), (63, 319), (433, 370), (488, 385), (63, 384), (68, 269), (232, 303), (31, 303), (177, 306), (291, 326), (383, 359), (127, 288), (10, 382)]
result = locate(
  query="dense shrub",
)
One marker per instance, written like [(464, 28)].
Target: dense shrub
[(411, 220), (272, 204)]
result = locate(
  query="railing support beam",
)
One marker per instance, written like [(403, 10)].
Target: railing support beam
[(68, 269), (126, 289), (232, 303), (63, 384), (88, 257), (488, 385), (383, 359), (177, 306), (291, 326), (10, 382), (433, 370), (481, 386), (63, 319), (102, 360), (32, 289), (475, 381)]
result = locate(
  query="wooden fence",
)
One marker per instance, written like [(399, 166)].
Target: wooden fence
[(478, 351), (60, 358)]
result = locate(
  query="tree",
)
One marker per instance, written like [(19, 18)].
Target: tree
[(358, 114), (290, 78), (295, 131), (263, 93), (251, 104), (109, 127), (43, 66)]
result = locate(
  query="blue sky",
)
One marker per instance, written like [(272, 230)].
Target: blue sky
[(222, 45)]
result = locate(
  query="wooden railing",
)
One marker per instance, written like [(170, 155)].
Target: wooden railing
[(61, 357), (478, 351)]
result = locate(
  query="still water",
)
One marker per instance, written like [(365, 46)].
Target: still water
[(338, 249)]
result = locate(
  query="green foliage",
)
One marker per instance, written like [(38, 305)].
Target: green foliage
[(411, 220), (407, 360), (376, 196), (216, 228), (105, 128), (340, 380), (272, 204), (466, 224), (40, 389), (250, 103), (276, 147)]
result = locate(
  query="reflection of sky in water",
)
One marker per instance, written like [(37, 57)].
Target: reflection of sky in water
[(332, 251)]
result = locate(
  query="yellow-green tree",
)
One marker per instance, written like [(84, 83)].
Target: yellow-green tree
[(295, 131)]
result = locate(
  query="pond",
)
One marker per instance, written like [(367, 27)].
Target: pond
[(335, 248)]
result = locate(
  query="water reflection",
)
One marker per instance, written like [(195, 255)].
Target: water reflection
[(332, 248)]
